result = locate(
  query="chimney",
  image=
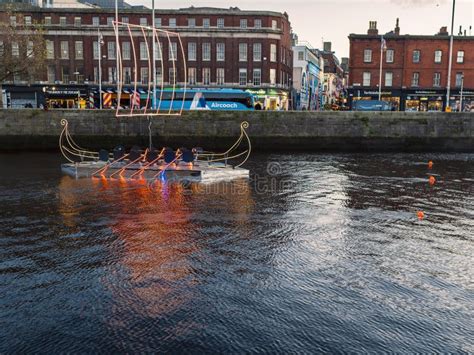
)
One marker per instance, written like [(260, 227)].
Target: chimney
[(443, 31), (460, 31), (327, 46), (397, 28), (373, 28)]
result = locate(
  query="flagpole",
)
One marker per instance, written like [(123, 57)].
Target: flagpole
[(153, 56), (100, 68), (380, 71)]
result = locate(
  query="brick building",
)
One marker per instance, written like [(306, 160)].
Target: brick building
[(414, 69), (224, 48)]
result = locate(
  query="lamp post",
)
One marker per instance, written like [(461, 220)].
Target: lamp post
[(99, 45), (383, 46), (450, 60), (460, 95)]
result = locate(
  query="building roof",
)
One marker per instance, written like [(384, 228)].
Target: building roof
[(407, 36)]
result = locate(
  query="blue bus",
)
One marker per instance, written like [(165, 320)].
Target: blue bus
[(371, 105), (205, 99)]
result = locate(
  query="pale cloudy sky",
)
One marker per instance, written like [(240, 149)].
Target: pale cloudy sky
[(333, 20)]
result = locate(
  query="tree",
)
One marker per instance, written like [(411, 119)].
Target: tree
[(22, 48)]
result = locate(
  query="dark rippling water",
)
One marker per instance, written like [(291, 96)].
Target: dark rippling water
[(321, 253)]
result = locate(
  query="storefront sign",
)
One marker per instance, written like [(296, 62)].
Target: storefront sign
[(376, 92)]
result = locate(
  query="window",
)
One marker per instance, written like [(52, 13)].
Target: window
[(51, 73), (367, 55), (27, 20), (257, 52), (127, 75), (13, 20), (159, 75), (158, 50), (415, 79), (109, 21), (95, 49), (49, 49), (438, 55), (388, 78), (15, 49), (220, 23), (242, 76), (242, 52), (459, 79), (366, 78), (192, 51), (79, 53), (77, 21), (220, 52), (206, 23), (144, 75), (437, 79), (191, 22), (300, 55), (111, 50), (1, 49), (64, 50), (173, 51), (257, 77), (206, 51), (274, 25), (157, 21), (47, 20), (243, 23), (143, 21), (192, 76), (143, 51), (389, 56), (125, 19), (95, 21), (257, 23), (416, 56), (273, 76), (126, 51), (172, 22), (460, 57), (206, 76), (172, 75), (220, 76), (30, 49), (62, 21), (273, 53), (112, 74)]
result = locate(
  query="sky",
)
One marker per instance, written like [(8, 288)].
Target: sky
[(332, 21)]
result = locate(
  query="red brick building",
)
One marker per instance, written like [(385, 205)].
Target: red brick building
[(225, 48), (414, 69)]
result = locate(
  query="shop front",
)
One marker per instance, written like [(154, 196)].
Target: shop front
[(424, 100), (22, 96), (270, 99), (66, 97), (464, 99), (391, 96)]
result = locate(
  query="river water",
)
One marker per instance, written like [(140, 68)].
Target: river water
[(315, 253)]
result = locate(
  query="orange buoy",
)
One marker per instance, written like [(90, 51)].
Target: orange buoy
[(432, 180), (430, 164), (420, 215)]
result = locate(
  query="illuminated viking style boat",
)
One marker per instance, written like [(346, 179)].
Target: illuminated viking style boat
[(193, 165), (152, 164)]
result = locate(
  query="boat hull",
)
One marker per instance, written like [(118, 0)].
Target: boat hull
[(197, 172)]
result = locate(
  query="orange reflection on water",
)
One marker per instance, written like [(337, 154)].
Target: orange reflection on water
[(157, 236)]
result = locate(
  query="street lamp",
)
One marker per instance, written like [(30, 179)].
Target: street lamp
[(76, 73), (460, 96), (450, 60)]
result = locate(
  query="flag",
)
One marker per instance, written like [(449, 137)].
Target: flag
[(383, 44)]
